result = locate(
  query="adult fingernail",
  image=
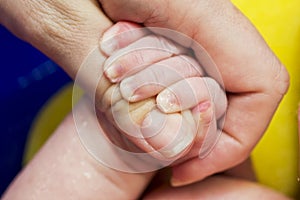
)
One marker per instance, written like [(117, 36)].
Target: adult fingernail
[(177, 183), (109, 43), (167, 102)]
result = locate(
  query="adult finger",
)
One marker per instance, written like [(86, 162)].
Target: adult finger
[(252, 74), (207, 134), (217, 187), (226, 146)]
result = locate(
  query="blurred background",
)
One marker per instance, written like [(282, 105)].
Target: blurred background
[(35, 94), (27, 80)]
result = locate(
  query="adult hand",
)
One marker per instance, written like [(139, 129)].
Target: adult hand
[(60, 29), (253, 77), (236, 183), (217, 187), (66, 31), (186, 123), (64, 170)]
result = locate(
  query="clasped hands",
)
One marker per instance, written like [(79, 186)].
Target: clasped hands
[(158, 96), (252, 75)]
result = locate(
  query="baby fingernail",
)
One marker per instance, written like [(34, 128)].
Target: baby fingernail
[(153, 123), (169, 134), (202, 107), (109, 43), (113, 73), (167, 102), (177, 149), (173, 136), (127, 89), (203, 113)]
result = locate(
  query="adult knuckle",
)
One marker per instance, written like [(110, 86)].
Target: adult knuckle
[(282, 79)]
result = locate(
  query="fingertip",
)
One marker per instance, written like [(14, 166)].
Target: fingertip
[(187, 173), (127, 88), (202, 107), (107, 42), (169, 134), (167, 102), (113, 73), (153, 124), (110, 97), (120, 35), (177, 180)]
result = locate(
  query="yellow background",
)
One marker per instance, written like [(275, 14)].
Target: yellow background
[(276, 156)]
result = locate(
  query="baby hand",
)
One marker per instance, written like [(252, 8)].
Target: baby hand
[(161, 100)]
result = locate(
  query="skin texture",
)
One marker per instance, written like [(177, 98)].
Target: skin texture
[(57, 28), (186, 119), (65, 41), (252, 75), (63, 169), (216, 187)]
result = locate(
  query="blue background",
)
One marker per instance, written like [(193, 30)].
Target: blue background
[(27, 80)]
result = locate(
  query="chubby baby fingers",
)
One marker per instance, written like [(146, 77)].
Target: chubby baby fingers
[(190, 92), (153, 79), (138, 55), (166, 137)]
